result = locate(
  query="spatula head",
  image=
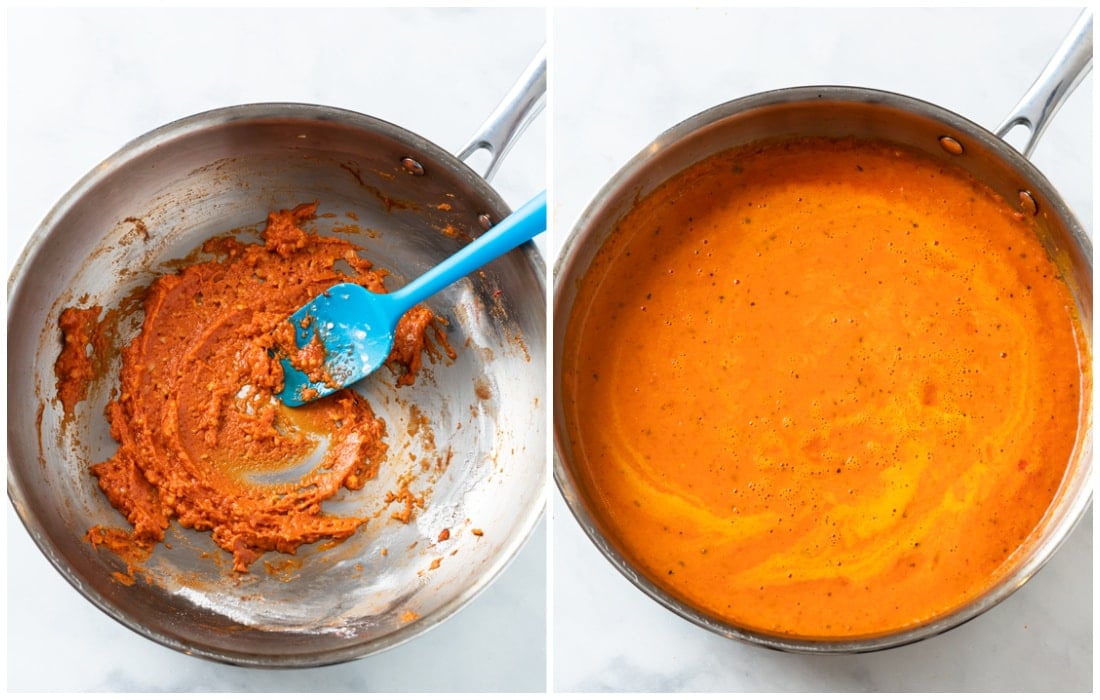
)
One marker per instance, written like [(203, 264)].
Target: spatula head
[(343, 335)]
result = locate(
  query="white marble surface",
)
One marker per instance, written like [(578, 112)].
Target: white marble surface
[(81, 83), (623, 77)]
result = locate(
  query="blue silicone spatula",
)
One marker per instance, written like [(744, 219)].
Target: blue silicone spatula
[(356, 327)]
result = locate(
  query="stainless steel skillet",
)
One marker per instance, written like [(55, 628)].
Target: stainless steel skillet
[(156, 200), (836, 111)]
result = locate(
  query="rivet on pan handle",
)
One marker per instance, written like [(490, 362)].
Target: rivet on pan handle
[(514, 113), (1063, 73)]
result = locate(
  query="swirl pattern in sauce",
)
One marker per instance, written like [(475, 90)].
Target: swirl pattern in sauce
[(822, 389)]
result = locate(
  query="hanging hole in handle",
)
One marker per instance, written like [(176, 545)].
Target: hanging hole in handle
[(479, 157), (1018, 134)]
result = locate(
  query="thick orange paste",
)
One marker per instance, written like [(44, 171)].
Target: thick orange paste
[(83, 340), (822, 389), (201, 438)]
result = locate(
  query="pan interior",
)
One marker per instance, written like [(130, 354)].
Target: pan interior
[(830, 113), (467, 433)]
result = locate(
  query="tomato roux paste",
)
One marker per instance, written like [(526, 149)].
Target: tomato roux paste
[(201, 438), (822, 389)]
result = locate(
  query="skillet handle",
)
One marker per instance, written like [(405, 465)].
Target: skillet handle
[(514, 113), (519, 227), (1063, 73)]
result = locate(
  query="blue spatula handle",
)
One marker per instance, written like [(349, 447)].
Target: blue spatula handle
[(521, 226)]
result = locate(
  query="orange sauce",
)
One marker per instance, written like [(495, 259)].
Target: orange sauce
[(822, 389), (202, 440)]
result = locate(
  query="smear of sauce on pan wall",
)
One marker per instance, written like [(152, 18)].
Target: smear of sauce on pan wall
[(823, 389), (201, 438)]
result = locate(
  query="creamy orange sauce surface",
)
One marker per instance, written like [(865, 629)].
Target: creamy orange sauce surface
[(202, 440), (822, 389)]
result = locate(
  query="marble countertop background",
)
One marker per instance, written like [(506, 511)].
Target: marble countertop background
[(81, 83), (623, 77)]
